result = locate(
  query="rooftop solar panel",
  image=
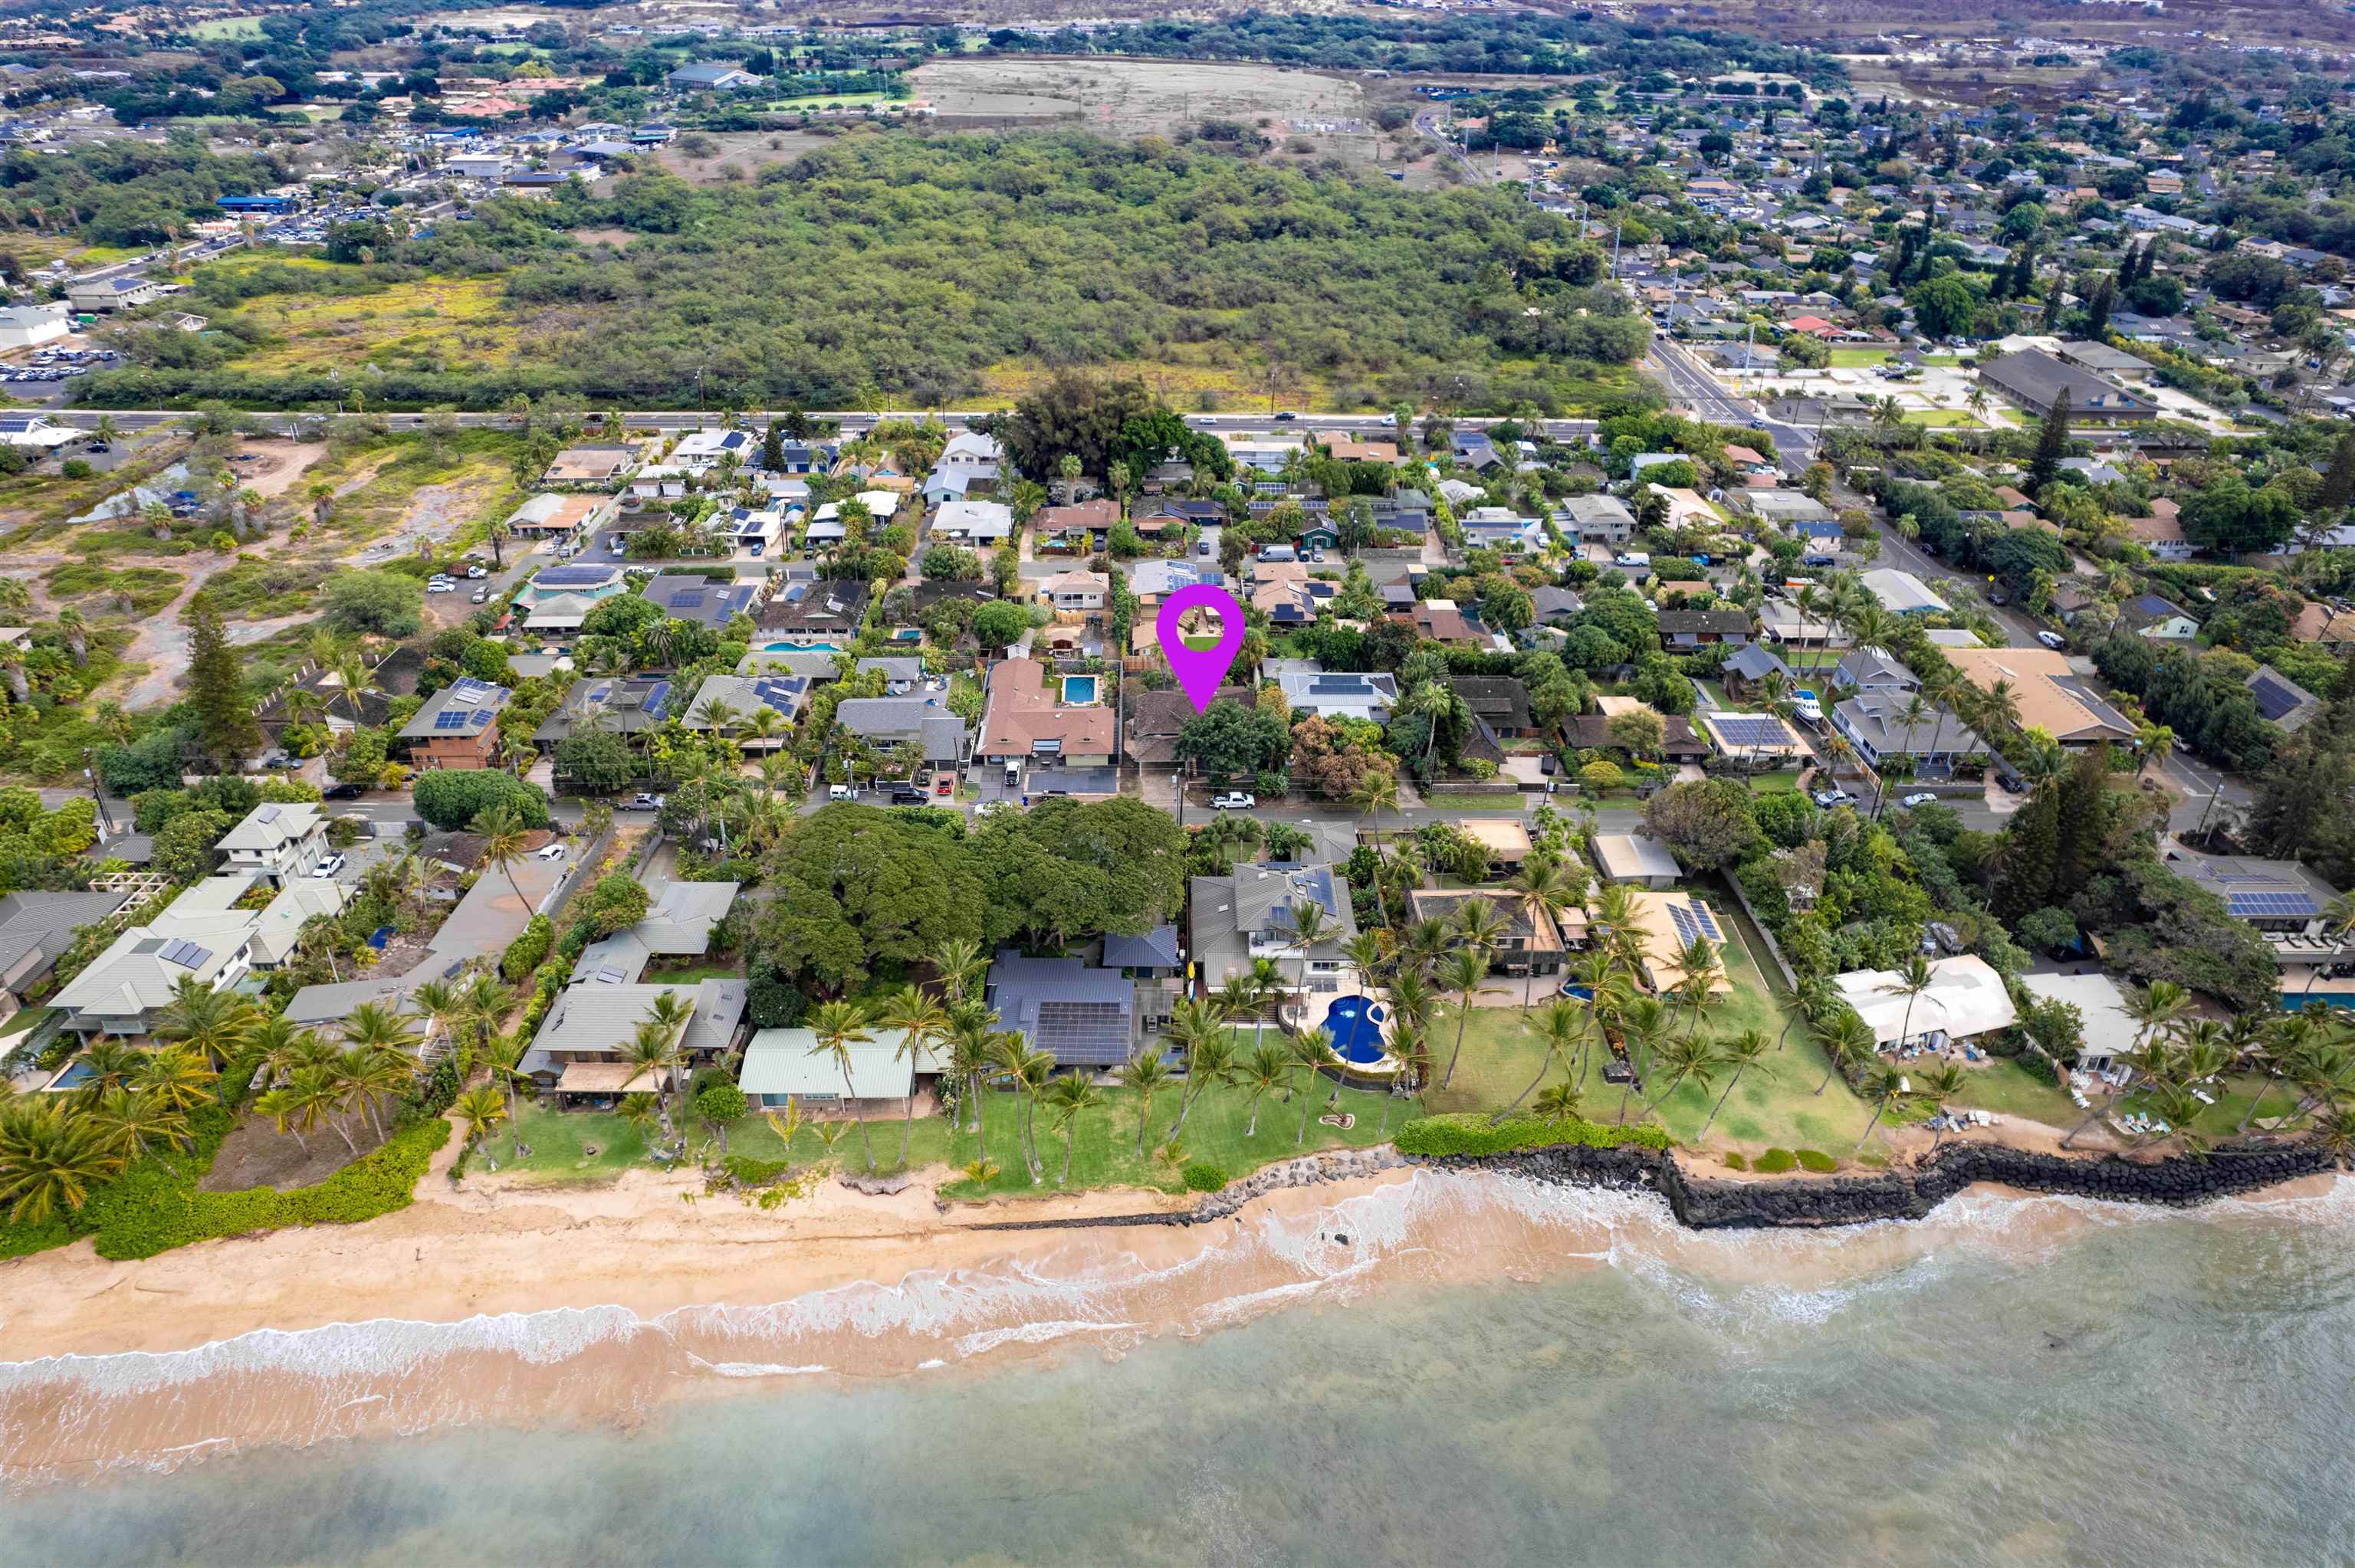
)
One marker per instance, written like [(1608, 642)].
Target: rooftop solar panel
[(655, 695)]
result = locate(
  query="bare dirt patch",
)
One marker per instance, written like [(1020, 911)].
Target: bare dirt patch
[(1142, 98), (270, 468), (256, 1154), (742, 151)]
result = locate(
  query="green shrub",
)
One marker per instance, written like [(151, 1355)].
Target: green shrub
[(1204, 1177), (525, 952), (451, 798), (1471, 1133), (1774, 1161), (1816, 1160), (1733, 1161), (752, 1172)]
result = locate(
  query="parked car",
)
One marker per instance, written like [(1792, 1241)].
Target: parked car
[(2052, 640), (640, 802), (907, 798), (1287, 416), (1922, 799), (441, 587), (479, 596), (475, 573), (1233, 801), (342, 792), (551, 851), (328, 867), (1827, 798), (841, 793)]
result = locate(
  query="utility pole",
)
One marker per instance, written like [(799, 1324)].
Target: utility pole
[(1616, 227)]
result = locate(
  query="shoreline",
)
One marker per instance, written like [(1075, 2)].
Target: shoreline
[(652, 1244)]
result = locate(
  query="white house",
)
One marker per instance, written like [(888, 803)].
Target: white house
[(973, 522), (26, 326), (1967, 998), (113, 293), (278, 841)]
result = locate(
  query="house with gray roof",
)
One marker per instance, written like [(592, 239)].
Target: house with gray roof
[(1339, 695), (782, 1065), (278, 841), (700, 600), (1247, 916), (741, 698), (36, 928), (678, 924), (1874, 722), (1085, 1016), (887, 722), (1596, 519), (579, 1051), (617, 706), (203, 936), (2282, 700)]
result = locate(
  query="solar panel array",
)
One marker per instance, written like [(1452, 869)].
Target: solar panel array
[(1750, 729), (2274, 699), (456, 718), (185, 953), (655, 695), (779, 695), (2271, 905), (687, 601), (1694, 921), (1082, 1031)]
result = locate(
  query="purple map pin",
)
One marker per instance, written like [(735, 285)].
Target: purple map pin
[(1200, 670)]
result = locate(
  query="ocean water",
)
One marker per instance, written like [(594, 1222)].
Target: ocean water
[(1483, 1371)]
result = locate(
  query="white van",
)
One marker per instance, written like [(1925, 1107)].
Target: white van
[(1631, 558), (841, 793)]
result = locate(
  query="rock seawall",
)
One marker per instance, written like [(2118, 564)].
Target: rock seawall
[(1912, 1194), (1812, 1202)]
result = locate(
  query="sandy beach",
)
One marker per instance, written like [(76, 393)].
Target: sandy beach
[(585, 1307)]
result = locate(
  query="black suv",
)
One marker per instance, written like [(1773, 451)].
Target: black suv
[(907, 798)]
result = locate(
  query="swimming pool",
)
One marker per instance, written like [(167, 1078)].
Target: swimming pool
[(1078, 689), (801, 648), (1355, 1023)]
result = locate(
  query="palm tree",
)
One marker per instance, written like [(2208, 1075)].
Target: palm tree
[(1642, 1025), (437, 1001), (1848, 1041), (1260, 1072), (1685, 1058), (838, 1026), (1911, 978), (1743, 1051), (129, 1119), (1147, 1075), (640, 1111), (1068, 1098), (1311, 926), (180, 1078), (1210, 1064), (1312, 1052), (1558, 1103), (957, 961), (1031, 1072), (1558, 1028), (1941, 1083), (212, 1021), (49, 1157), (482, 1108), (318, 1095), (1883, 1084), (921, 1021), (969, 1043), (503, 835), (1464, 971), (1546, 890)]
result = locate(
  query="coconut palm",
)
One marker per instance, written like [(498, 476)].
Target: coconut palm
[(839, 1025), (108, 1065), (1558, 1028), (437, 1001), (1883, 1084), (971, 1041), (318, 1095), (1146, 1074), (1684, 1058), (1643, 1023), (1558, 1103), (179, 1077), (1311, 1052), (212, 1021), (787, 1126), (1743, 1051), (1031, 1072), (1464, 971), (956, 962), (482, 1108), (130, 1120), (1911, 978), (1846, 1044), (49, 1157), (1547, 888), (504, 841), (1941, 1083), (1260, 1072), (1210, 1064), (640, 1111), (921, 1021), (1311, 927), (1068, 1098)]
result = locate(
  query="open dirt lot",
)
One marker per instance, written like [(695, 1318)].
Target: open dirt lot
[(743, 151), (1137, 97), (271, 467)]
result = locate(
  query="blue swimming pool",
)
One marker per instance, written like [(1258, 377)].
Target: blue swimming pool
[(801, 648), (1078, 689), (1355, 1023)]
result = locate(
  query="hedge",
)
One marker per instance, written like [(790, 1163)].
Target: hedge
[(1816, 1160), (377, 1183), (1204, 1177), (1471, 1133), (1774, 1161), (524, 954)]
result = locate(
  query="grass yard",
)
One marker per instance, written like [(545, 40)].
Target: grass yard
[(1103, 1150), (561, 1144), (228, 27), (139, 590), (1942, 420), (2007, 1088), (1857, 359), (432, 324)]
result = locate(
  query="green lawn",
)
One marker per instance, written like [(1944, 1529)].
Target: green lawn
[(1857, 359), (22, 1019), (1103, 1150), (1941, 418), (228, 27), (2008, 1088), (560, 1141)]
